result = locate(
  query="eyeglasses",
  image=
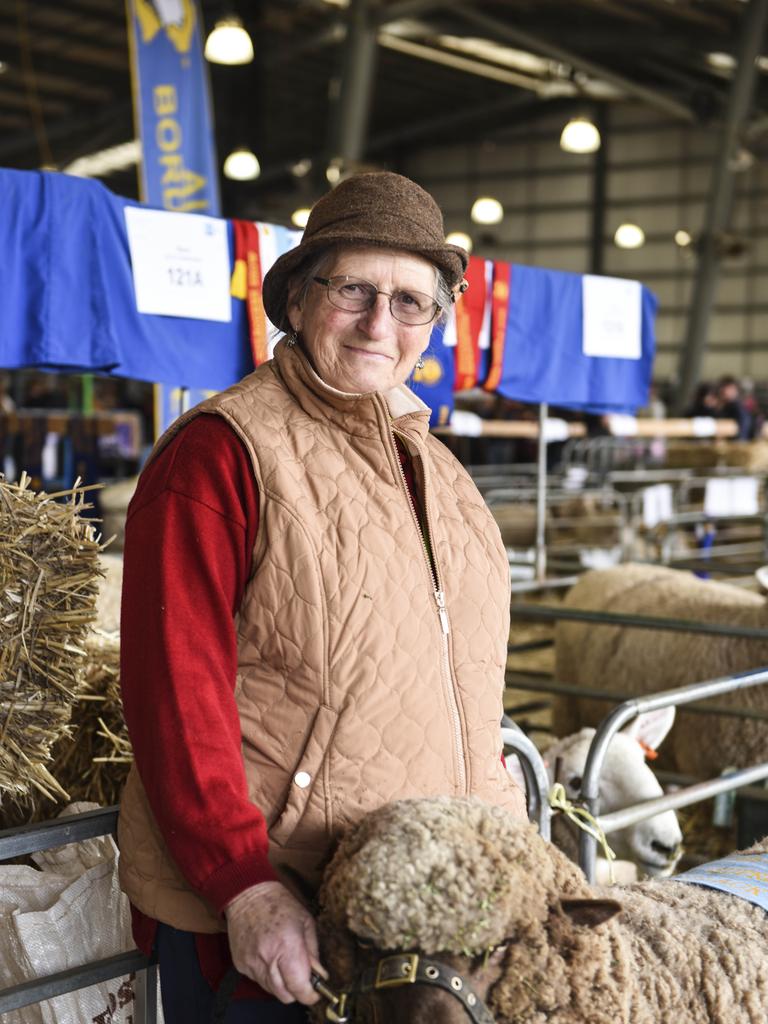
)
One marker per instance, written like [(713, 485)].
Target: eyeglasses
[(354, 295)]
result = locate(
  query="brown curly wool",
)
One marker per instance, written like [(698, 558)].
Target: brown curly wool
[(676, 954), (440, 873)]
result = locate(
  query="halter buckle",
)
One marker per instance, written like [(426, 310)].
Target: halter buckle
[(337, 1012), (393, 971)]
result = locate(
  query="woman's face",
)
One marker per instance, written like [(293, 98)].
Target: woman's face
[(370, 350)]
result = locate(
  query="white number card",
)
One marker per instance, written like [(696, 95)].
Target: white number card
[(180, 264), (612, 317)]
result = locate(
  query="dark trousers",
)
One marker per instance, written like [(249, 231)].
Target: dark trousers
[(188, 998)]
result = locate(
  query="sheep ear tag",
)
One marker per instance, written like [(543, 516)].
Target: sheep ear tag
[(590, 913)]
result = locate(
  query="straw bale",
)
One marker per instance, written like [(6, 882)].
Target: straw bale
[(92, 763), (49, 573)]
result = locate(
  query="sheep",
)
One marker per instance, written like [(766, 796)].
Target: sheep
[(640, 661), (487, 901), (654, 846)]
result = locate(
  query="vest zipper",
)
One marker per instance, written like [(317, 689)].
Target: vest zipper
[(445, 626)]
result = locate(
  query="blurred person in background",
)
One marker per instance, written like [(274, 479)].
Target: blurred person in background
[(730, 406)]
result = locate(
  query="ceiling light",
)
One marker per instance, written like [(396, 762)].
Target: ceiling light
[(300, 217), (459, 238), (333, 172), (721, 61), (683, 238), (229, 43), (242, 165), (629, 236), (301, 168), (487, 210), (105, 161), (580, 136)]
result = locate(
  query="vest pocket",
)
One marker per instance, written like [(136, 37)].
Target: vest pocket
[(307, 795)]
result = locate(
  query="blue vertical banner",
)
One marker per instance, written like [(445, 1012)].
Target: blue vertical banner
[(172, 106), (172, 112)]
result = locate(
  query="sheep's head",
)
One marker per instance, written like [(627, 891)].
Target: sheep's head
[(466, 885), (655, 844)]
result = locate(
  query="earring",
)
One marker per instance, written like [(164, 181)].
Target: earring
[(420, 363), (292, 338)]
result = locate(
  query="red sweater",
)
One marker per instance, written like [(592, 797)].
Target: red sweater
[(189, 539)]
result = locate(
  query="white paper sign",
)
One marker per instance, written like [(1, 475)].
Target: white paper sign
[(621, 425), (732, 496), (657, 505), (465, 423), (180, 264), (612, 317), (703, 426), (556, 430), (575, 478)]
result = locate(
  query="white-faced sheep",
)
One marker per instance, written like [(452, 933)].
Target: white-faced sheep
[(635, 661), (487, 901), (626, 779)]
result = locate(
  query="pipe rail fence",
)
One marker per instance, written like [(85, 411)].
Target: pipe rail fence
[(629, 709)]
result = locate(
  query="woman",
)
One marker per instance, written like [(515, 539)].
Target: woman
[(315, 612)]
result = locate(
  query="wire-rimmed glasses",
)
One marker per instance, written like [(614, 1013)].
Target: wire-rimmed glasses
[(355, 296)]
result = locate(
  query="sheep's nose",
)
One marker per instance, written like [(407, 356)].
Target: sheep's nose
[(668, 852)]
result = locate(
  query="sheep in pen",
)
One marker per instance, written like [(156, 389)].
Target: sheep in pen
[(449, 910), (649, 847), (633, 662)]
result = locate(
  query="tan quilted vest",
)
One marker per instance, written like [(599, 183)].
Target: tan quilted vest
[(351, 692)]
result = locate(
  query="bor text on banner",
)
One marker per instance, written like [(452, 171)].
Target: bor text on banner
[(173, 107)]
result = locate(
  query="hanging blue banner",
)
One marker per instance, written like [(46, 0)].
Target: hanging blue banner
[(62, 237), (573, 340), (172, 106), (553, 340)]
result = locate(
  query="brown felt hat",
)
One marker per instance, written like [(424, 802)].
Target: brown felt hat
[(377, 208)]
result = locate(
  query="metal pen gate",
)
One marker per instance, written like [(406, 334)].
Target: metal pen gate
[(26, 839)]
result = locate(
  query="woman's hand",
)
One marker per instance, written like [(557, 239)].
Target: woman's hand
[(273, 941)]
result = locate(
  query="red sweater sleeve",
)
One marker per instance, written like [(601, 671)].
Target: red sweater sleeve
[(189, 537)]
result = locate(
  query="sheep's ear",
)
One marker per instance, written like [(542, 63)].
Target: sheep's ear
[(590, 913), (651, 727), (761, 575)]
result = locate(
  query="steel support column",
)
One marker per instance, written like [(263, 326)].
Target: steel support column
[(349, 114), (599, 175), (720, 200)]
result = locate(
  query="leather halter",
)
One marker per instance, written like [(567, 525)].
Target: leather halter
[(410, 969)]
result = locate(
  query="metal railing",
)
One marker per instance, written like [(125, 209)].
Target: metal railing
[(535, 774), (26, 839), (630, 708), (623, 714)]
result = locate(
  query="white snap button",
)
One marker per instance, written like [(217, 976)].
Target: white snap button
[(302, 779)]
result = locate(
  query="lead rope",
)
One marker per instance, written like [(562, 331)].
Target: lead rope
[(582, 819)]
